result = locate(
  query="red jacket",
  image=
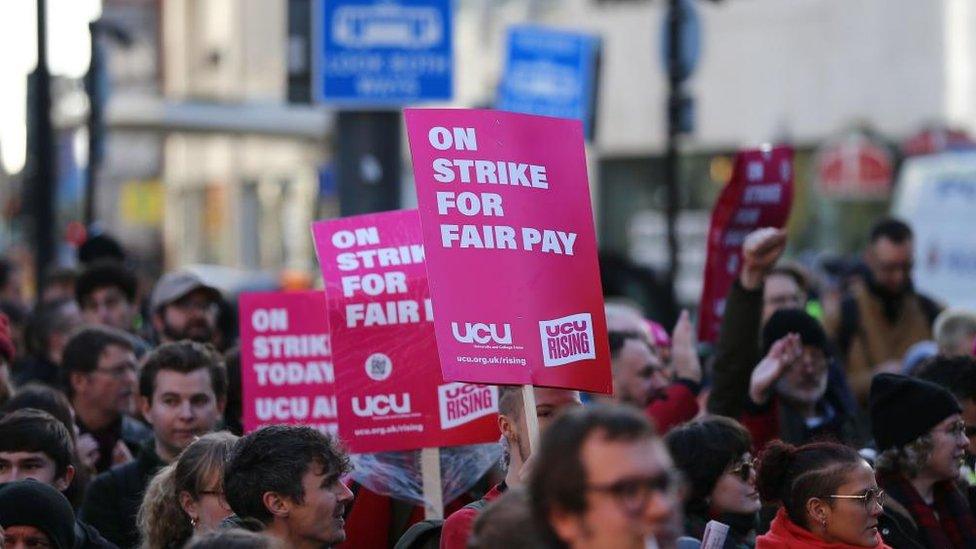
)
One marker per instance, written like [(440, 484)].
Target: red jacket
[(784, 534), (457, 528), (678, 406), (372, 521)]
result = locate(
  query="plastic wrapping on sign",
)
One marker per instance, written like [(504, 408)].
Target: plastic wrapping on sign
[(397, 474)]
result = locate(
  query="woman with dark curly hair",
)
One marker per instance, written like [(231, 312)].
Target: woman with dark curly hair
[(713, 455)]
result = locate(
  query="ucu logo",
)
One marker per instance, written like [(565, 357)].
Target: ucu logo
[(566, 328), (482, 333), (381, 405), (568, 339)]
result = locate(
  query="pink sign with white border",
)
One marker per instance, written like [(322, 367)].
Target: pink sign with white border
[(286, 363), (511, 251), (390, 392)]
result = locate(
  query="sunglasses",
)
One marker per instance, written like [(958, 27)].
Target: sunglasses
[(868, 499), (744, 468), (633, 494)]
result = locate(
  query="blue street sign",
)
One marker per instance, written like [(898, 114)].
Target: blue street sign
[(550, 72), (383, 52)]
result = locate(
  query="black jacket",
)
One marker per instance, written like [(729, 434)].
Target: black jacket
[(87, 537), (898, 528), (113, 498)]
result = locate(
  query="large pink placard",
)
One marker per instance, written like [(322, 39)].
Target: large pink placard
[(759, 194), (511, 251), (286, 364), (390, 392)]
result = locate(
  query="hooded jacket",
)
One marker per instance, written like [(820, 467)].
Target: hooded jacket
[(785, 534)]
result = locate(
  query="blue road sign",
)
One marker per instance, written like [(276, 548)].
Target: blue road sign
[(383, 52), (550, 72), (689, 45)]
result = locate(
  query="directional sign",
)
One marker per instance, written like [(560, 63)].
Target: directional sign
[(550, 72), (373, 52)]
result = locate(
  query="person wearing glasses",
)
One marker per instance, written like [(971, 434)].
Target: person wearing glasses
[(713, 455), (921, 439), (186, 498), (828, 497), (184, 307), (605, 480), (957, 374), (182, 392), (99, 376)]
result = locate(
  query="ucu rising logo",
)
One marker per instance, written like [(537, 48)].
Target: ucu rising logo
[(381, 405), (567, 339), (477, 332)]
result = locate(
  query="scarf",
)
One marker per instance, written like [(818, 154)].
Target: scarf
[(954, 527), (785, 534)]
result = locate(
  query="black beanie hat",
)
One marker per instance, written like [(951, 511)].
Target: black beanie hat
[(904, 408), (796, 321), (32, 503)]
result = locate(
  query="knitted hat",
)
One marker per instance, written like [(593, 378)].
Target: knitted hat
[(32, 503), (904, 408), (795, 321)]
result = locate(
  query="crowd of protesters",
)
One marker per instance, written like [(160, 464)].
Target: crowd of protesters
[(821, 425)]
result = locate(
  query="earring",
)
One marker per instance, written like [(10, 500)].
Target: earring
[(823, 522), (193, 522)]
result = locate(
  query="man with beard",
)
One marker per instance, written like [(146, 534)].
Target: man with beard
[(641, 379), (884, 315), (184, 307), (183, 389), (789, 394)]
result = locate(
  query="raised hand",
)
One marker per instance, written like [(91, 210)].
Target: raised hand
[(760, 251), (684, 356), (784, 352)]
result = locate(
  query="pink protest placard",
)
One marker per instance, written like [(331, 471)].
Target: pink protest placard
[(511, 251), (286, 363), (759, 194), (391, 395)]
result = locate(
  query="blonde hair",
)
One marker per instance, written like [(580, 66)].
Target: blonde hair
[(161, 520)]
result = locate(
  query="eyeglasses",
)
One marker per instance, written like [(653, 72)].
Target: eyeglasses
[(633, 494), (868, 499), (958, 429), (744, 468)]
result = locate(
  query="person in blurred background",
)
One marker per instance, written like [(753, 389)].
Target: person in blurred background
[(184, 307), (33, 514), (955, 332), (106, 292), (50, 327), (714, 456), (884, 315), (790, 395), (99, 375), (827, 494)]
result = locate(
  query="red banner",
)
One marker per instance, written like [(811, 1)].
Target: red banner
[(759, 194), (390, 392)]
